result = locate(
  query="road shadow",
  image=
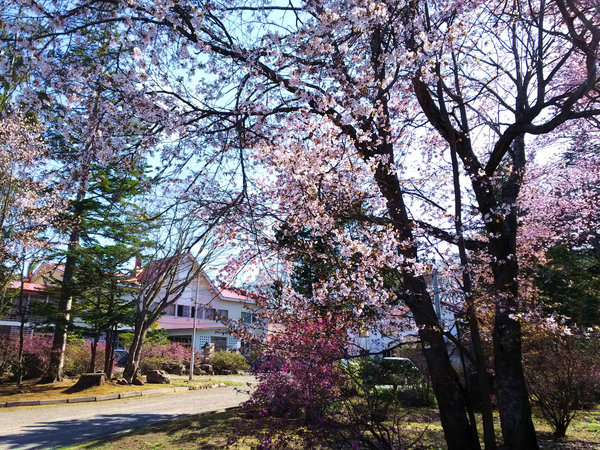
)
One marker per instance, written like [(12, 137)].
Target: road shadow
[(70, 432)]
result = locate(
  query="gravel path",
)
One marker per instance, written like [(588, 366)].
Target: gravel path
[(69, 424)]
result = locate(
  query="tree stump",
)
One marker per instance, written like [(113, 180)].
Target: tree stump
[(88, 380)]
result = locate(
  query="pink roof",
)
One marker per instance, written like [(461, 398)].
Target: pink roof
[(28, 287), (187, 323), (228, 293)]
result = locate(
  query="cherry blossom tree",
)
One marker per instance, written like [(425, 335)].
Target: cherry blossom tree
[(354, 105)]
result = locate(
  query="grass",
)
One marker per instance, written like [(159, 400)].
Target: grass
[(229, 429), (29, 390), (235, 430), (583, 433)]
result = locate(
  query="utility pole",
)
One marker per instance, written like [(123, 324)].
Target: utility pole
[(194, 333)]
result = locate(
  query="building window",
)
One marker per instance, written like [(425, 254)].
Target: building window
[(220, 342), (184, 311), (181, 339), (223, 313), (248, 317)]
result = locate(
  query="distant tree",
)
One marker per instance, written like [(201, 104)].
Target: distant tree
[(184, 245), (569, 284)]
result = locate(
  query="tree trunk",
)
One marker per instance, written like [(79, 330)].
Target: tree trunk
[(94, 351), (61, 327), (109, 353), (59, 341), (458, 432), (135, 351), (21, 332), (513, 400), (59, 344), (483, 379)]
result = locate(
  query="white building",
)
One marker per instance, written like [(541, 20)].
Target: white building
[(201, 297), (212, 306)]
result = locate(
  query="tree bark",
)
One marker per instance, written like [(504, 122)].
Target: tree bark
[(135, 351), (94, 354), (458, 431), (513, 399), (59, 341), (21, 311), (109, 353)]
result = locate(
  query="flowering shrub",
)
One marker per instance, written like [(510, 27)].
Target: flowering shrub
[(168, 357), (171, 351), (36, 354), (302, 374), (8, 356)]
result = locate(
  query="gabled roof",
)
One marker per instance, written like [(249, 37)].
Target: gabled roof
[(151, 273), (46, 272)]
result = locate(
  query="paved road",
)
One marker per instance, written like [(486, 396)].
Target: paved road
[(69, 424)]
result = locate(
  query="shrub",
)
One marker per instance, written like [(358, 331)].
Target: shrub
[(226, 362), (404, 379), (563, 374), (36, 351), (169, 357), (152, 363), (171, 351), (78, 355), (36, 355), (301, 374), (8, 358)]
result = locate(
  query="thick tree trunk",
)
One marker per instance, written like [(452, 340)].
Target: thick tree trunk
[(59, 341), (109, 353), (513, 400), (21, 333), (94, 354), (135, 351), (458, 430)]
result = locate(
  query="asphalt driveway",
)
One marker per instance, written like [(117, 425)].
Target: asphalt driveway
[(69, 424)]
